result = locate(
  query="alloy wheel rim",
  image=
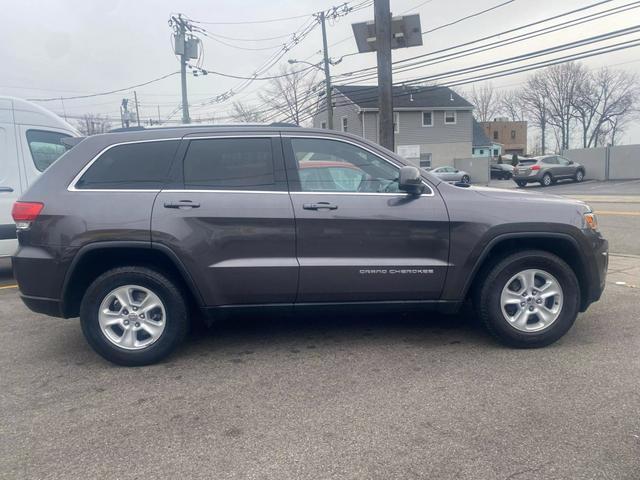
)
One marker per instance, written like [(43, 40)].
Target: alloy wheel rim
[(531, 300), (132, 317), (547, 180)]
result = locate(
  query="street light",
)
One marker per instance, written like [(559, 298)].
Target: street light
[(327, 81)]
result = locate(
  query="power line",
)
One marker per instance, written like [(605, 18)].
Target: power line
[(491, 46), (104, 93), (495, 7)]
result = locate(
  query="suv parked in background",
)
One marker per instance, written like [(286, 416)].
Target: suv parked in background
[(132, 231), (547, 170)]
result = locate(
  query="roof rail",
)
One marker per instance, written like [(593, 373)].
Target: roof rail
[(201, 125)]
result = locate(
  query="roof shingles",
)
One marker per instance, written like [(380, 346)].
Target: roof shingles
[(366, 96)]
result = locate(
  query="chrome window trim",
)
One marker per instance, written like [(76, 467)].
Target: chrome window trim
[(338, 139), (175, 190), (72, 184)]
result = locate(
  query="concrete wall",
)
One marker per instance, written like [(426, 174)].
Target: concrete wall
[(620, 162), (593, 159), (624, 162), (477, 168)]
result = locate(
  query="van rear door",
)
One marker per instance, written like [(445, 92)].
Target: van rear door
[(9, 178)]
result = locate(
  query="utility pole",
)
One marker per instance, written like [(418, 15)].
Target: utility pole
[(158, 114), (385, 81), (327, 73), (64, 110), (181, 48), (135, 98)]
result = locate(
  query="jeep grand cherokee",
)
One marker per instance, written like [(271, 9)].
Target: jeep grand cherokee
[(130, 230)]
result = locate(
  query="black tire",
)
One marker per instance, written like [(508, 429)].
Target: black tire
[(465, 179), (487, 298), (547, 180), (177, 321), (579, 176), (521, 183)]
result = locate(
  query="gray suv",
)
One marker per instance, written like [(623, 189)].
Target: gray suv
[(547, 170), (136, 232)]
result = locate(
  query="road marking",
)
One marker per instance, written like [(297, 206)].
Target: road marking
[(613, 212), (4, 287)]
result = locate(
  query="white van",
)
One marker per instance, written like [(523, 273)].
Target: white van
[(30, 141)]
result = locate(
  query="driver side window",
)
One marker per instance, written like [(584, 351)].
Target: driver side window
[(335, 166)]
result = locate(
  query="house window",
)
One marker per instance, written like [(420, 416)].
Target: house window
[(427, 119), (481, 151), (323, 125), (495, 134), (396, 122), (425, 160), (344, 124), (495, 152), (450, 118), (513, 134)]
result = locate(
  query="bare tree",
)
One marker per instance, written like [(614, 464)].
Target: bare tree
[(512, 105), (535, 105), (604, 101), (485, 101), (560, 85), (245, 113), (91, 124), (291, 95)]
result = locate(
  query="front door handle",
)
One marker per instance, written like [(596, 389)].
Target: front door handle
[(6, 189), (181, 204), (319, 206)]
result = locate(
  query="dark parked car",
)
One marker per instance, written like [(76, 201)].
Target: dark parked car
[(133, 231), (547, 170), (501, 171)]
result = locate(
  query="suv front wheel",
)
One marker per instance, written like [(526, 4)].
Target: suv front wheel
[(529, 299), (133, 316)]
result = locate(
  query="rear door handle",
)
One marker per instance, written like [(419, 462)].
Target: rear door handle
[(320, 206), (181, 204), (6, 189)]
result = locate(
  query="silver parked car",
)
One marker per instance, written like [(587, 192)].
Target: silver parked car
[(451, 174), (547, 170)]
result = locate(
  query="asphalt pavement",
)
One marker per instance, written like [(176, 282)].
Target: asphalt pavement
[(379, 397)]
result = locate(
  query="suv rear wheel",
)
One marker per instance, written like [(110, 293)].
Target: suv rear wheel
[(529, 299), (133, 316), (521, 183)]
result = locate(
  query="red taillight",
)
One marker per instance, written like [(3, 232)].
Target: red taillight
[(26, 211), (535, 167)]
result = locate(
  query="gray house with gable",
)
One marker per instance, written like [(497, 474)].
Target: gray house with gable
[(432, 125)]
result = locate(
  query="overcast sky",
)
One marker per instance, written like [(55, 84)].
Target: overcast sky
[(66, 47)]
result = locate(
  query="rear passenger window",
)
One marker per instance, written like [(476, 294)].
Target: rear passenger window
[(45, 147), (229, 164), (139, 166)]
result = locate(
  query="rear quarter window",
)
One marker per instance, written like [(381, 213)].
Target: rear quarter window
[(132, 166)]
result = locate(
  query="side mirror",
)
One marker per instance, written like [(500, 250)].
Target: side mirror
[(570, 162), (410, 180)]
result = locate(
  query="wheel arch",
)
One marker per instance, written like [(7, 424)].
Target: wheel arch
[(96, 258), (561, 244)]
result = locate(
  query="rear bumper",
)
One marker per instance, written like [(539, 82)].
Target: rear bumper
[(526, 178), (46, 306)]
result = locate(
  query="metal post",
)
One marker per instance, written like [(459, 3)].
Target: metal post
[(327, 74), (135, 98), (385, 85), (183, 72)]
